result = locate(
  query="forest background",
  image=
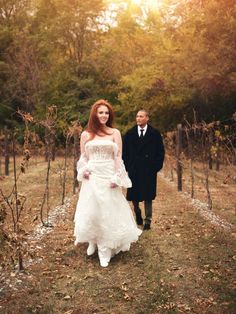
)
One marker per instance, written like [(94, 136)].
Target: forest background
[(171, 57)]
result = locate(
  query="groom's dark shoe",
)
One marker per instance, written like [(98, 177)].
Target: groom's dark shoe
[(146, 226)]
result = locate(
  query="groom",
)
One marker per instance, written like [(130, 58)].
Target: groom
[(143, 155)]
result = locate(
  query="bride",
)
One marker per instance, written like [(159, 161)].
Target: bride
[(103, 217)]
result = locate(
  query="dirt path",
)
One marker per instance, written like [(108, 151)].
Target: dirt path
[(184, 264)]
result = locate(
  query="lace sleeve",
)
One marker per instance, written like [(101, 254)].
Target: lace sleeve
[(82, 163), (82, 166), (120, 177)]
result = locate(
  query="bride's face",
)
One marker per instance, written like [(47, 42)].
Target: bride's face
[(103, 114)]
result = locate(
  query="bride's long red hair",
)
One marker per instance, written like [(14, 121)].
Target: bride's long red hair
[(94, 127)]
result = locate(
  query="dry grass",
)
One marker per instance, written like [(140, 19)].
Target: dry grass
[(182, 265), (221, 184)]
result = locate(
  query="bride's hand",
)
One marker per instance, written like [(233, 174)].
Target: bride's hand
[(113, 185), (86, 175)]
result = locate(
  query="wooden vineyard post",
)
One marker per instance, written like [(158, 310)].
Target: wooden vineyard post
[(210, 148), (217, 153), (76, 156), (178, 153), (6, 151)]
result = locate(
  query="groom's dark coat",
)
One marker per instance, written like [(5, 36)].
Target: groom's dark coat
[(143, 158)]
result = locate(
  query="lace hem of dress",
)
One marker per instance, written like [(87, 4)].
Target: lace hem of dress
[(121, 244)]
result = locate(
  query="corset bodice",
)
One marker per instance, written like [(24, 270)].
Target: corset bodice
[(100, 150)]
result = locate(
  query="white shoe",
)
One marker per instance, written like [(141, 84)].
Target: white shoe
[(104, 263), (91, 248), (104, 255)]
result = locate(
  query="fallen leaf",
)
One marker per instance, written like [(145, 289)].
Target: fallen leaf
[(126, 297)]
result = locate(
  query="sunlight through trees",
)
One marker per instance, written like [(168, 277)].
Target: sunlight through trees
[(167, 56)]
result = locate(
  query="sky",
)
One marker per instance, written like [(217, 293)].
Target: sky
[(151, 4)]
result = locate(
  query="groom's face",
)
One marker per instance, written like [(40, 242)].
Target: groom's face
[(142, 118)]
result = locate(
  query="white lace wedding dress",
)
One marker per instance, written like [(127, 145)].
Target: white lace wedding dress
[(103, 215)]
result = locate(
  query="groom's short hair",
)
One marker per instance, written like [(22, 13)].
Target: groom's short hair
[(145, 111)]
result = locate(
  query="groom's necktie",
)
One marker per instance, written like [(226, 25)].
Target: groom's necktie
[(141, 134)]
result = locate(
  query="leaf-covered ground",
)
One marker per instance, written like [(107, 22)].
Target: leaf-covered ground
[(184, 264)]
